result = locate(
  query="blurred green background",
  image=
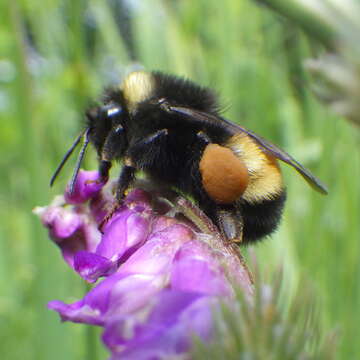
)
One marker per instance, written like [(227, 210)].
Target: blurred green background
[(56, 55)]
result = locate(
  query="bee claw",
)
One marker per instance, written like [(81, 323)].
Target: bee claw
[(98, 181), (108, 216)]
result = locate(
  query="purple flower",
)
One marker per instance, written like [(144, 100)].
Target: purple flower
[(88, 184), (174, 319), (69, 227), (162, 279)]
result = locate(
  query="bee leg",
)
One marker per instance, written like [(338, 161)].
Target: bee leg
[(104, 167), (103, 170), (113, 148), (127, 176), (137, 150), (115, 144), (152, 145), (231, 225), (153, 137)]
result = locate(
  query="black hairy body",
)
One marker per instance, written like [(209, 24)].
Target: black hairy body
[(171, 129)]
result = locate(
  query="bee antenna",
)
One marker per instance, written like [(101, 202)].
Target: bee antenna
[(79, 160), (65, 158)]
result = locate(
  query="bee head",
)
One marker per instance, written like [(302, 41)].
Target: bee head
[(100, 121)]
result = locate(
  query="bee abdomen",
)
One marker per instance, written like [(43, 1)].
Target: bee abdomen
[(261, 218)]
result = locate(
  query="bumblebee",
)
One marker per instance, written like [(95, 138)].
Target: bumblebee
[(171, 129)]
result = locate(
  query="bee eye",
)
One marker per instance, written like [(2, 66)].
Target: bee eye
[(113, 111)]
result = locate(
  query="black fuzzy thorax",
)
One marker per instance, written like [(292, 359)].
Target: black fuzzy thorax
[(174, 158), (183, 92), (170, 159)]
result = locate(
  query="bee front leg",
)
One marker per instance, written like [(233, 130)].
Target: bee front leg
[(126, 177), (104, 168), (114, 148)]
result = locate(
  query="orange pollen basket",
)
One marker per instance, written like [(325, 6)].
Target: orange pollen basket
[(224, 175)]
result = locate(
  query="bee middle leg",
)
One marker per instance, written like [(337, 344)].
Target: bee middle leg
[(127, 175), (153, 137), (148, 149), (126, 178)]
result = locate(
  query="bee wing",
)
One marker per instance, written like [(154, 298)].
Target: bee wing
[(266, 146), (282, 155)]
